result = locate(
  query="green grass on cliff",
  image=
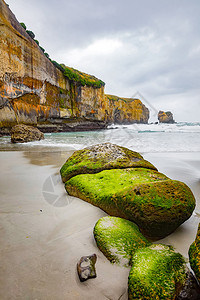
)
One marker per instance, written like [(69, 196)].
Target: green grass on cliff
[(116, 98), (82, 78)]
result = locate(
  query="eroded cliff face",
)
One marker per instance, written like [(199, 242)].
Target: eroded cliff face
[(126, 110), (34, 91), (30, 85)]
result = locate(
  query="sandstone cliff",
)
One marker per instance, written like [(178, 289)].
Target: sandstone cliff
[(126, 110), (35, 91)]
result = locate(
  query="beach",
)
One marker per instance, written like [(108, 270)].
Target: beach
[(44, 232)]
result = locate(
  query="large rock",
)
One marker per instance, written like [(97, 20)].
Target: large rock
[(102, 157), (157, 272), (165, 117), (118, 239), (23, 133), (157, 204), (194, 255)]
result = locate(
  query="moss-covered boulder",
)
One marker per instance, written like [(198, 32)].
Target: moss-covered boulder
[(118, 239), (157, 204), (194, 255), (157, 272), (102, 157)]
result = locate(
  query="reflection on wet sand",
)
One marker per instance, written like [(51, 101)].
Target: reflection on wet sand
[(47, 158)]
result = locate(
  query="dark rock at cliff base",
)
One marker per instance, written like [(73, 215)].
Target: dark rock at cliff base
[(158, 272), (22, 133), (86, 267), (157, 204), (194, 255), (70, 125), (165, 117), (102, 157)]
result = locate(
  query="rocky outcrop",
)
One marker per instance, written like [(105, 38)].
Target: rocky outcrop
[(158, 272), (128, 187), (23, 134), (157, 204), (165, 117), (36, 91), (126, 110), (194, 255), (118, 239), (101, 157)]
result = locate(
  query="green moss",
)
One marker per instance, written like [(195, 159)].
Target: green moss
[(194, 255), (58, 66), (43, 50), (46, 54), (31, 34), (82, 78), (155, 203), (114, 98), (37, 42), (102, 157), (62, 103), (118, 239), (23, 25), (158, 272)]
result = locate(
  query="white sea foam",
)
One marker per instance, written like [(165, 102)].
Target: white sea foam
[(178, 137), (176, 127)]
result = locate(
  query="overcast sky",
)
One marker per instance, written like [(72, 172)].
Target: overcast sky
[(146, 46)]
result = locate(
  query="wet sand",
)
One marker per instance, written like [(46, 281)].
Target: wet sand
[(44, 232)]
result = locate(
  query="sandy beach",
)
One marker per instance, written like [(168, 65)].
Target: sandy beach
[(44, 232)]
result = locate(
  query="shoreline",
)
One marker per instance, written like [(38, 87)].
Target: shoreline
[(45, 231)]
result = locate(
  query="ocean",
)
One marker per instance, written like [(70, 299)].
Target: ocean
[(144, 138)]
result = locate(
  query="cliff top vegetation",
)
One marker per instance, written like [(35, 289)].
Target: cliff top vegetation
[(82, 78), (116, 98)]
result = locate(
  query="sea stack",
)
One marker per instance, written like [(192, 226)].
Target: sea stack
[(165, 117)]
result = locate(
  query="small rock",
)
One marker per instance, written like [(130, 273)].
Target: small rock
[(86, 267), (22, 133)]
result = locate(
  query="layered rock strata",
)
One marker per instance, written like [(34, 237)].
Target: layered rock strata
[(35, 91)]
